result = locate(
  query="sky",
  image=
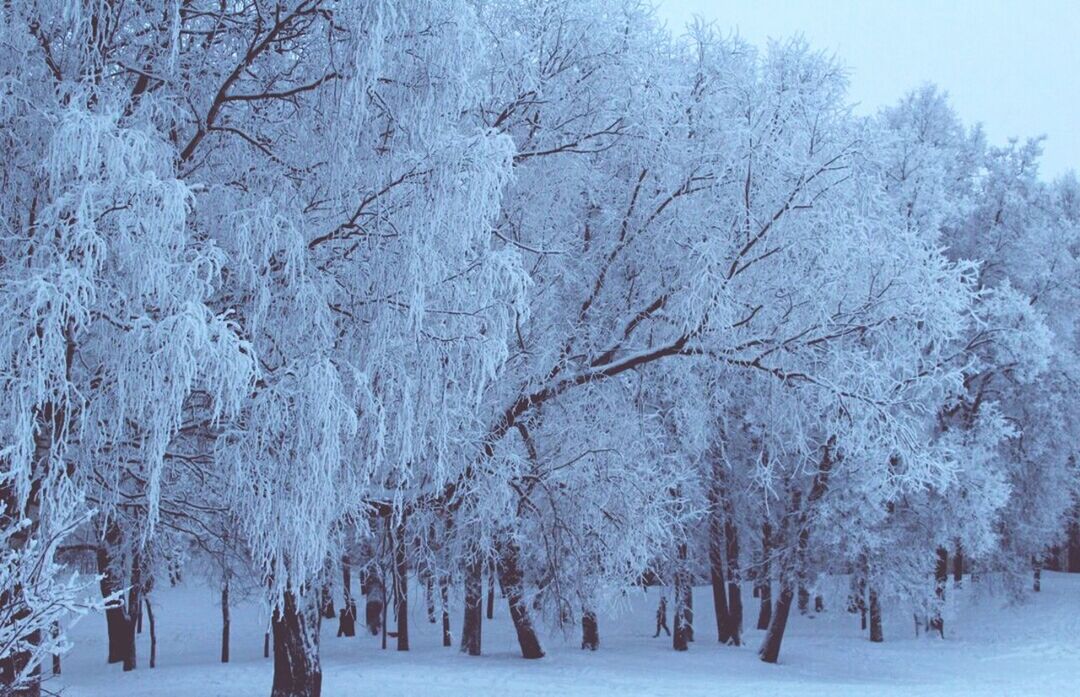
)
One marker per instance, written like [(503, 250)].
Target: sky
[(1012, 65)]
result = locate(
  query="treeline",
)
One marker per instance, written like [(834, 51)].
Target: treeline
[(455, 292)]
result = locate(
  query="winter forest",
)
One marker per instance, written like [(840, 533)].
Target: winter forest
[(511, 324)]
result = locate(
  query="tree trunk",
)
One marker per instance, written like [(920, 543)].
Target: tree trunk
[(347, 614), (719, 592), (765, 612), (774, 636), (474, 599), (765, 583), (429, 595), (1072, 547), (326, 602), (862, 602), (680, 636), (875, 617), (512, 580), (734, 577), (383, 622), (347, 620), (804, 599), (56, 656), (590, 631), (266, 644), (444, 597), (374, 602), (134, 605), (1036, 582), (120, 614), (401, 589), (109, 584), (491, 591), (941, 575), (15, 663), (346, 580), (153, 633), (225, 622), (689, 607), (716, 562), (297, 672), (661, 616)]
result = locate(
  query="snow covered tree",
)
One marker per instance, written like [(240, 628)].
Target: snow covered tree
[(526, 286)]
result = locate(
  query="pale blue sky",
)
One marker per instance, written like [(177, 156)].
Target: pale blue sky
[(1010, 64)]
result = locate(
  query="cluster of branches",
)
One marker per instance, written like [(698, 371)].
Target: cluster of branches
[(533, 287)]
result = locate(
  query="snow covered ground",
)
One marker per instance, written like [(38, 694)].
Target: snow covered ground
[(992, 648)]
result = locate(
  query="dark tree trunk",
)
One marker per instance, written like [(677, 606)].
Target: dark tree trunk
[(680, 636), (1072, 548), (819, 604), (719, 592), (56, 656), (941, 575), (326, 602), (512, 579), (774, 635), (429, 594), (590, 631), (266, 644), (109, 584), (383, 622), (13, 665), (491, 591), (1053, 559), (716, 561), (120, 616), (444, 598), (958, 565), (474, 600), (134, 605), (818, 488), (374, 602), (875, 617), (765, 612), (347, 614), (689, 607), (861, 587), (765, 583), (346, 581), (347, 620), (1036, 581), (297, 672), (225, 622), (734, 577), (661, 617), (153, 633), (401, 589)]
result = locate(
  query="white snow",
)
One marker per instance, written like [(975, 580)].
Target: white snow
[(992, 648)]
